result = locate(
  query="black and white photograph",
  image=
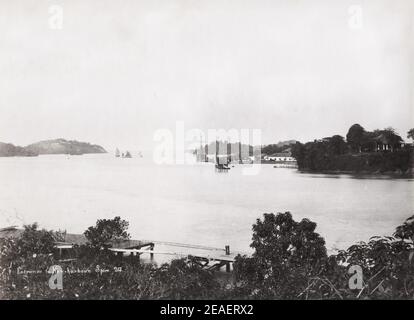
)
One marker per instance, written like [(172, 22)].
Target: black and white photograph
[(181, 150)]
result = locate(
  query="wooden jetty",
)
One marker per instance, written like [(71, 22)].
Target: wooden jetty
[(214, 260), (210, 258)]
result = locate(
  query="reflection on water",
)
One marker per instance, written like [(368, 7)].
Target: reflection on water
[(194, 204)]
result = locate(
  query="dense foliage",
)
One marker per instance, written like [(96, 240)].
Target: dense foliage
[(286, 254), (97, 273), (107, 230), (290, 261), (281, 147), (410, 134), (357, 154)]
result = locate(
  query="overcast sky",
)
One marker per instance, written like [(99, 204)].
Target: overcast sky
[(119, 70)]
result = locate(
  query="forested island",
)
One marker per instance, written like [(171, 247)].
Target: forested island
[(378, 151), (56, 146)]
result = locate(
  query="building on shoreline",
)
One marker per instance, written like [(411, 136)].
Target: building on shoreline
[(280, 157)]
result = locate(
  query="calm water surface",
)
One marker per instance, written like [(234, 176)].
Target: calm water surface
[(192, 203)]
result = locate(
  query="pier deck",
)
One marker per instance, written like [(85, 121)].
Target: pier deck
[(208, 257)]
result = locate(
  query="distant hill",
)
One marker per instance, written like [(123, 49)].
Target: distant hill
[(9, 150), (62, 146), (286, 143), (57, 146), (282, 146)]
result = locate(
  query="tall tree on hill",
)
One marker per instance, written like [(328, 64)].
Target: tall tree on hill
[(355, 137), (393, 138), (410, 134)]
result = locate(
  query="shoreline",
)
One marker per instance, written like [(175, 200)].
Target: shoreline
[(372, 174)]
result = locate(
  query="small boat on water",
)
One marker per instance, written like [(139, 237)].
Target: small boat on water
[(222, 167), (118, 154), (219, 164)]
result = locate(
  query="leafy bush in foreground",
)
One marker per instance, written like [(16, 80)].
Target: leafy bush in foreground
[(107, 230), (290, 261), (286, 254), (96, 274)]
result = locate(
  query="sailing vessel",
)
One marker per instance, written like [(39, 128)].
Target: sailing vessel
[(202, 152), (127, 155), (220, 166)]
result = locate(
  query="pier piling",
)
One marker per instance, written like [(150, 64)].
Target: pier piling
[(227, 249)]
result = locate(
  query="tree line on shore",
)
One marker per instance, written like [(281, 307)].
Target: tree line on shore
[(379, 151), (290, 261)]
